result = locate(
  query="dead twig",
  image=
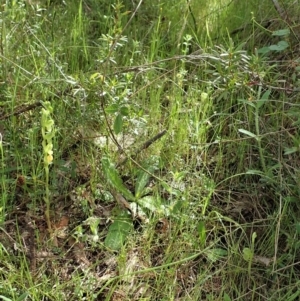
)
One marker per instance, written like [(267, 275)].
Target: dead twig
[(21, 109), (281, 12), (144, 146)]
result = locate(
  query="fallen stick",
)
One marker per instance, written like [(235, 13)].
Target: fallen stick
[(21, 109), (144, 146)]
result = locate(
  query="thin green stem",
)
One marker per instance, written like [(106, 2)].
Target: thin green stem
[(260, 149), (3, 186)]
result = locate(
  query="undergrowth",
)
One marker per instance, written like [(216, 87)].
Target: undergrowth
[(149, 151)]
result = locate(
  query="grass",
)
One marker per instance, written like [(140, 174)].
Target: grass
[(217, 194)]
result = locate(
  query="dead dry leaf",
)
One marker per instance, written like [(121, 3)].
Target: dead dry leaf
[(60, 228), (263, 260)]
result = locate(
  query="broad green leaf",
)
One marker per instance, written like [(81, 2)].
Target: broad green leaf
[(124, 111), (281, 32), (204, 97), (291, 199), (93, 222), (179, 206), (275, 166), (113, 108), (215, 254), (294, 296), (226, 297), (151, 203), (96, 76), (247, 133), (22, 297), (298, 228), (118, 124), (265, 177), (4, 298), (142, 180), (166, 186), (121, 224), (247, 102), (266, 95), (179, 176), (264, 50), (254, 172), (240, 48), (260, 103), (118, 231), (282, 45), (263, 99), (294, 114), (114, 179), (202, 233), (247, 254), (291, 150)]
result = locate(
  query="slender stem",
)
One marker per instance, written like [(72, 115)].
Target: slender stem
[(3, 186), (260, 149), (149, 270), (47, 199)]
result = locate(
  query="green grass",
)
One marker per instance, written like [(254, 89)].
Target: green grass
[(218, 215)]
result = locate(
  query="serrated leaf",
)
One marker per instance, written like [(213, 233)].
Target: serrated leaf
[(114, 179), (118, 124), (247, 133)]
